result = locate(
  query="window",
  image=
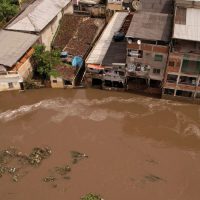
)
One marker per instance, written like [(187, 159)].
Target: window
[(156, 71), (190, 67), (171, 63), (155, 83), (198, 95), (187, 80), (135, 53), (158, 57), (169, 91), (54, 81), (10, 85), (180, 17), (171, 78), (183, 93)]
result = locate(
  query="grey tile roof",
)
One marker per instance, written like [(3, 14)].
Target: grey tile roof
[(150, 26), (13, 45)]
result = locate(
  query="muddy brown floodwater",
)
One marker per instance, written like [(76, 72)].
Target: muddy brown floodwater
[(138, 147)]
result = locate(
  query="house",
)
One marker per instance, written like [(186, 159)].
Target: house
[(40, 17), (148, 39), (89, 7), (98, 58), (75, 44), (114, 4), (182, 78), (15, 52), (114, 62)]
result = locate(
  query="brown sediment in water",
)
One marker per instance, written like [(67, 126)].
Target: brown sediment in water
[(137, 147)]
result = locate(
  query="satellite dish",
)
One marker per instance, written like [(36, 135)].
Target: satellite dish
[(137, 5), (139, 42), (130, 41)]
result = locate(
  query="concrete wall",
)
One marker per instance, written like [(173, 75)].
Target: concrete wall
[(176, 59), (12, 79), (56, 82), (26, 69), (148, 58), (49, 32)]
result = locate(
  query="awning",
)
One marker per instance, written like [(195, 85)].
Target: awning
[(93, 66)]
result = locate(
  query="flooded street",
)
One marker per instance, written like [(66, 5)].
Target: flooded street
[(138, 147)]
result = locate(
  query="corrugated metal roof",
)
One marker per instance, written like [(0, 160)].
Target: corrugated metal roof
[(13, 45), (97, 54), (150, 26), (38, 15), (191, 30)]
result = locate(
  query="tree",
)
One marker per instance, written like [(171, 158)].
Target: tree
[(91, 197), (8, 9), (45, 61)]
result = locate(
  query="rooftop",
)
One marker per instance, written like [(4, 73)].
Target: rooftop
[(150, 26), (116, 53), (159, 6), (13, 45), (81, 32), (37, 15), (188, 3), (117, 50), (187, 24), (98, 53)]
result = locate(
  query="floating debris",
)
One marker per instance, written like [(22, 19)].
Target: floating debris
[(12, 170), (152, 161), (63, 170), (49, 179), (7, 154), (16, 158), (153, 178), (15, 178), (38, 154), (77, 156), (91, 196), (54, 185), (66, 177)]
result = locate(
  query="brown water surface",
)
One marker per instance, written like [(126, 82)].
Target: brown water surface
[(139, 147)]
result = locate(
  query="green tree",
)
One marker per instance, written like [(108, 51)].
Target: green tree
[(91, 197), (45, 61), (8, 9)]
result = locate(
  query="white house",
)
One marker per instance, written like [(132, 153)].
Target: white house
[(15, 52), (41, 17)]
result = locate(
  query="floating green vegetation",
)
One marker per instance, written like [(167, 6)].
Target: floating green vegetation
[(91, 196)]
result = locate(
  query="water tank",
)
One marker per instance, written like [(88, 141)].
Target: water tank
[(137, 5)]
